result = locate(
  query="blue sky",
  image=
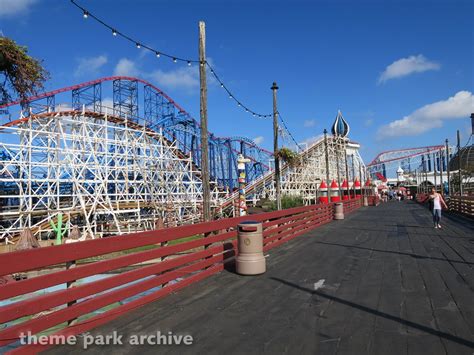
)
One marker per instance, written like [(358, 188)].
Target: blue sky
[(401, 72)]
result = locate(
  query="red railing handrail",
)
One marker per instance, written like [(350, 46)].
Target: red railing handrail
[(26, 260), (279, 227)]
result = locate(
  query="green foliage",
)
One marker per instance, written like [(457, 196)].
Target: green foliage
[(289, 156), (287, 201), (185, 239), (23, 75)]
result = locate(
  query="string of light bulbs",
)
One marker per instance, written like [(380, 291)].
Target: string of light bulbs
[(231, 96), (139, 44), (287, 130)]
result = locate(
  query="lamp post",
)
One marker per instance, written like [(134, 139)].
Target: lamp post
[(206, 189), (326, 154), (447, 167), (459, 163), (274, 88)]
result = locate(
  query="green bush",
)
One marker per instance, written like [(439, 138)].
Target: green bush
[(287, 201), (290, 157)]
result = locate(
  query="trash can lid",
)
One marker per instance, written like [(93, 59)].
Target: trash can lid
[(249, 226)]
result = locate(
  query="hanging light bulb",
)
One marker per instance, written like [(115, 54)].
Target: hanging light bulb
[(230, 96), (222, 85), (157, 54), (114, 33), (189, 63), (138, 45), (175, 60), (238, 104), (86, 14)]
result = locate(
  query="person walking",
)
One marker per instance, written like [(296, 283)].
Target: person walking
[(436, 201)]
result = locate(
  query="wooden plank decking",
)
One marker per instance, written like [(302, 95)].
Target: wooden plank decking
[(391, 284)]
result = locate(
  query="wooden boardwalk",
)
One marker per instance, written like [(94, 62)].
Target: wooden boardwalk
[(383, 281)]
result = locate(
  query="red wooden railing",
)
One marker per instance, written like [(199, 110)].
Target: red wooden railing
[(351, 205), (459, 204), (170, 267), (462, 204), (421, 197), (373, 200)]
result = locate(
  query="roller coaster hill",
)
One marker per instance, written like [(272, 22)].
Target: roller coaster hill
[(117, 155), (424, 168)]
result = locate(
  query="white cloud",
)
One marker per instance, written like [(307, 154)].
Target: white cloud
[(309, 123), (15, 7), (430, 116), (258, 140), (407, 66), (107, 103), (126, 67), (182, 77), (62, 107), (90, 65), (308, 142)]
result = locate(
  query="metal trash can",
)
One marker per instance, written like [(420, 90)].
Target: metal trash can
[(250, 260), (338, 211)]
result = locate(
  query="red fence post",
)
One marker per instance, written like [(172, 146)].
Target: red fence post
[(175, 272), (71, 265)]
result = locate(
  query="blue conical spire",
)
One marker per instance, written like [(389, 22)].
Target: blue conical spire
[(340, 127)]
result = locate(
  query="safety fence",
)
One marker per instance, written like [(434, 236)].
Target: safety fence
[(134, 269), (352, 204), (462, 204), (373, 200), (420, 198), (459, 204)]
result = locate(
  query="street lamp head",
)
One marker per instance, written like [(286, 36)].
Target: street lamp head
[(274, 86)]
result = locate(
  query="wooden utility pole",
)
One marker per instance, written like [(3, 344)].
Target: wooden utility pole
[(274, 88), (353, 175), (360, 177), (416, 181), (447, 167), (206, 190), (337, 170), (441, 171), (459, 163), (326, 155), (347, 170)]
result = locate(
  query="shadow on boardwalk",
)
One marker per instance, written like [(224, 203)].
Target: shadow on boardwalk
[(417, 256), (382, 281)]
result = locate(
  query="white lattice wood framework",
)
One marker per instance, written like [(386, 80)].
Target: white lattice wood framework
[(304, 179), (101, 172)]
